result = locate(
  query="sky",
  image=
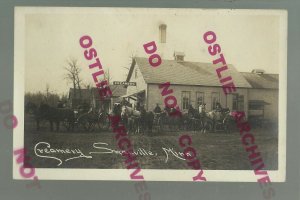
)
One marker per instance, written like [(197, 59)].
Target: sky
[(249, 40)]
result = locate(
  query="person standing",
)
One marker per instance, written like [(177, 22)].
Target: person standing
[(157, 109), (202, 108), (138, 106), (191, 111), (218, 107)]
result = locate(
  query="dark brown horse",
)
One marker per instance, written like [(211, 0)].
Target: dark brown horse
[(172, 118), (147, 120), (55, 115)]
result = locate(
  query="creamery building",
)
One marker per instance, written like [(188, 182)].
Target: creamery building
[(196, 83)]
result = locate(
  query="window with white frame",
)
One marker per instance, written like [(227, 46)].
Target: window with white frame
[(215, 98), (237, 102), (163, 33), (199, 98), (186, 98)]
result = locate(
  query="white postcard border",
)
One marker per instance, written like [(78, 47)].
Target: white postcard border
[(150, 175)]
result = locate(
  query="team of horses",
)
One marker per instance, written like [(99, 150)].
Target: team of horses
[(169, 120), (69, 118), (135, 121)]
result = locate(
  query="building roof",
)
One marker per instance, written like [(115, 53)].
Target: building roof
[(185, 73), (85, 93), (179, 53), (117, 91), (262, 81), (258, 102)]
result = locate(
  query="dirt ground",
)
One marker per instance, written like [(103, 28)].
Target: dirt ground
[(216, 151)]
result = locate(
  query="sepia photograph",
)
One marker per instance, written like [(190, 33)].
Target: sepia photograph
[(104, 93)]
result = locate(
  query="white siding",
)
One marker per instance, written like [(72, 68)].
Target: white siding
[(140, 82), (270, 96), (154, 96)]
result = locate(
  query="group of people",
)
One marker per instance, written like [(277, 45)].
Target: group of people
[(157, 110), (201, 108), (137, 105)]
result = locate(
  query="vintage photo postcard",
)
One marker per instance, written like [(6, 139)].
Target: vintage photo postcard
[(150, 94)]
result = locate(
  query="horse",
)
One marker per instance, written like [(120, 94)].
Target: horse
[(132, 119), (221, 118), (54, 115), (207, 121), (194, 119), (229, 121), (147, 120), (103, 120), (172, 118), (185, 121), (116, 110), (158, 121), (87, 119), (115, 113)]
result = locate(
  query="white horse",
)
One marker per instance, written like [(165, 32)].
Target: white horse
[(220, 119), (130, 112), (131, 118)]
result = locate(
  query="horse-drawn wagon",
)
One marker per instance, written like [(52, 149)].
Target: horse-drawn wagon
[(70, 119), (215, 120), (89, 120)]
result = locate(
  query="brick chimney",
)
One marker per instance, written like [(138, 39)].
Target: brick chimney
[(179, 56), (258, 71)]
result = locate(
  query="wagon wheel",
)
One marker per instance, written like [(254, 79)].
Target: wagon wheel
[(231, 125), (160, 124), (156, 125), (227, 128), (164, 124), (66, 124), (104, 122), (209, 126), (86, 123)]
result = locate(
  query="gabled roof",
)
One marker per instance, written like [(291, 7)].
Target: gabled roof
[(85, 93), (118, 90), (186, 73), (262, 81)]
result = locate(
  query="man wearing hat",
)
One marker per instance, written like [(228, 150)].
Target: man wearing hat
[(157, 109)]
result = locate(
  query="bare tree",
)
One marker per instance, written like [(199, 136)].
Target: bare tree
[(130, 60), (89, 88), (87, 85), (72, 75), (107, 76), (64, 97), (47, 92)]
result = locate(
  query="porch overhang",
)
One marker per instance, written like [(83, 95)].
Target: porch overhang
[(133, 96)]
